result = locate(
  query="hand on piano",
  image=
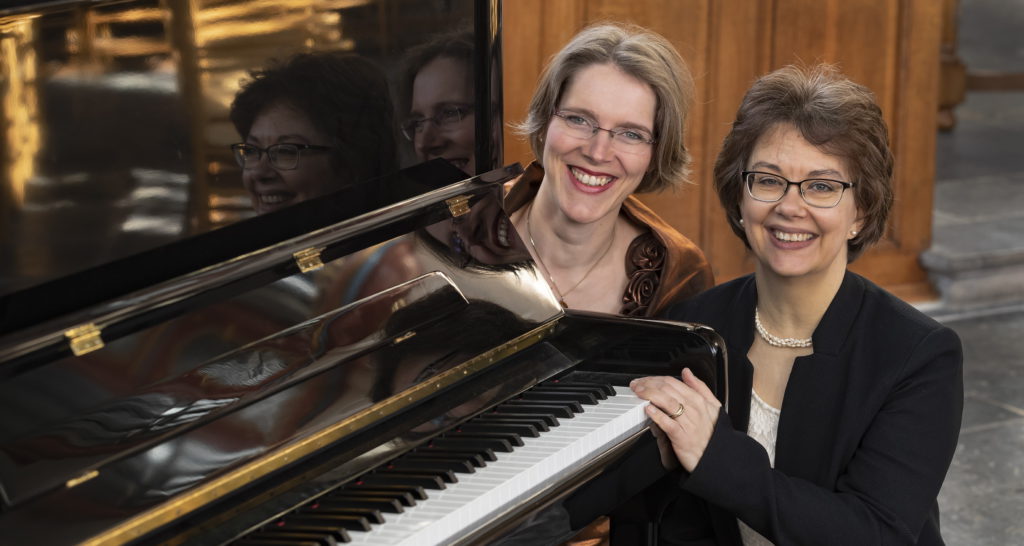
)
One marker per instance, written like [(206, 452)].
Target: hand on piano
[(686, 412)]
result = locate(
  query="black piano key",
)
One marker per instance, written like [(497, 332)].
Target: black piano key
[(371, 515), (485, 453), (383, 504), (524, 406), (337, 532), (336, 521), (522, 429), (535, 421), (423, 480), (559, 396), (292, 538), (415, 491), (479, 460), (429, 463), (447, 476), (608, 389), (597, 391), (549, 420), (404, 497), (249, 541), (512, 438), (494, 444)]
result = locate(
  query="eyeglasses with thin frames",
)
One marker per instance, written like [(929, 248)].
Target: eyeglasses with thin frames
[(823, 193), (282, 156), (445, 119), (628, 140)]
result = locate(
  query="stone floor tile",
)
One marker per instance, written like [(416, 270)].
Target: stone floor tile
[(982, 499)]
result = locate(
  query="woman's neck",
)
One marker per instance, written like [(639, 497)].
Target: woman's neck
[(583, 263), (793, 306), (562, 243)]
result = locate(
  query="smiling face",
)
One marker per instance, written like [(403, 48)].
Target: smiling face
[(272, 188), (588, 179), (441, 85), (789, 237)]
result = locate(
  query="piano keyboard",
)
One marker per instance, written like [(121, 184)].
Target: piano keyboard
[(469, 476)]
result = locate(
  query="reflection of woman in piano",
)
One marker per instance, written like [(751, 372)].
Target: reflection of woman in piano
[(479, 240), (607, 121), (437, 93), (311, 125), (846, 401), (468, 332)]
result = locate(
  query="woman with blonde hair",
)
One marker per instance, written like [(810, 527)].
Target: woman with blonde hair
[(607, 121)]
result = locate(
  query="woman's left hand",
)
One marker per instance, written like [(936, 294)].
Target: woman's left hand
[(686, 412)]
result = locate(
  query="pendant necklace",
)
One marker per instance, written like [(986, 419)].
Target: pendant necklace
[(776, 341), (562, 295)]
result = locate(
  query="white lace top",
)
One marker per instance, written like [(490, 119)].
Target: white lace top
[(763, 427)]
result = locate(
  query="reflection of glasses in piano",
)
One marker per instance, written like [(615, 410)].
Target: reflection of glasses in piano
[(282, 156), (444, 119)]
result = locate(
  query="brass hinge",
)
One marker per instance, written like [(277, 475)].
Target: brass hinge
[(74, 482), (84, 339), (308, 259), (404, 337), (458, 205)]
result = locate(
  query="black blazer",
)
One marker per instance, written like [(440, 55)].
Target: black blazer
[(868, 428)]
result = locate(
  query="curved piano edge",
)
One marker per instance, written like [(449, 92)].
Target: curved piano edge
[(717, 344), (687, 338)]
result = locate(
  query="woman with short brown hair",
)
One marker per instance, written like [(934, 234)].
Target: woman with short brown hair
[(845, 402)]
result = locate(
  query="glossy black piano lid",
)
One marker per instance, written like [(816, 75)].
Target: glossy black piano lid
[(166, 409), (92, 286), (118, 128)]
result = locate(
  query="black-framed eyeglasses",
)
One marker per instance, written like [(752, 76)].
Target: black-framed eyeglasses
[(624, 139), (282, 156), (445, 119), (823, 193)]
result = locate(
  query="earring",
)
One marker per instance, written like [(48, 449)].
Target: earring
[(741, 221), (853, 233)]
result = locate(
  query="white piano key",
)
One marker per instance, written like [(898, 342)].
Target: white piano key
[(477, 497)]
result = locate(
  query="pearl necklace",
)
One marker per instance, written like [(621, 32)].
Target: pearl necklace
[(562, 295), (776, 341)]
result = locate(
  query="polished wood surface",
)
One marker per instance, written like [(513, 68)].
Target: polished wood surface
[(953, 84), (891, 46)]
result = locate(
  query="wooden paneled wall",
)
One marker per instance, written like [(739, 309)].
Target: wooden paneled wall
[(892, 46)]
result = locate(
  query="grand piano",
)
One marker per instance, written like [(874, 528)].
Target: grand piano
[(380, 365)]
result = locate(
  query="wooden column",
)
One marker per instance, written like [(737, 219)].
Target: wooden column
[(953, 74), (891, 46)]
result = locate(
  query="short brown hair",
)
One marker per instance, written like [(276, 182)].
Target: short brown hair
[(343, 95), (646, 56), (831, 112), (456, 45)]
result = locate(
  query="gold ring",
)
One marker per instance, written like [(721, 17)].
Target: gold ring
[(678, 412)]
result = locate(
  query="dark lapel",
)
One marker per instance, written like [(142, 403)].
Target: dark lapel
[(816, 393), (738, 329)]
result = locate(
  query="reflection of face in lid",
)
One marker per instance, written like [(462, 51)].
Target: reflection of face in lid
[(272, 188), (444, 84), (484, 234)]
